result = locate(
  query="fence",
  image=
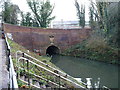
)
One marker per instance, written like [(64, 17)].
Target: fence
[(26, 61), (12, 73)]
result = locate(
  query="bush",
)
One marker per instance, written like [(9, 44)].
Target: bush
[(95, 47)]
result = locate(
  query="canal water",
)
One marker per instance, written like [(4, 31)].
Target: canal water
[(83, 68)]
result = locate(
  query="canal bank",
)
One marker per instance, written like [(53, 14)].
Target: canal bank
[(83, 68)]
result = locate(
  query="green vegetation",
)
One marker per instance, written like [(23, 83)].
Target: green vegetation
[(104, 18), (33, 69), (42, 11), (102, 44), (15, 47), (95, 48), (10, 13), (80, 13), (39, 17), (27, 20)]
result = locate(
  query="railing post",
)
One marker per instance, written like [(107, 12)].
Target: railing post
[(18, 69), (8, 53), (59, 81), (23, 59), (28, 73), (47, 79), (17, 64)]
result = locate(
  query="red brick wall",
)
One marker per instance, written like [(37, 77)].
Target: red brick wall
[(37, 38)]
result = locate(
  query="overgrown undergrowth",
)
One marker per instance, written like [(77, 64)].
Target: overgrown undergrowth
[(95, 48)]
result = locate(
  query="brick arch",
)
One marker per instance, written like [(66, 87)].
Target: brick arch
[(51, 50), (39, 39)]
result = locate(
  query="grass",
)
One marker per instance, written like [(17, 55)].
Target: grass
[(95, 48), (15, 47)]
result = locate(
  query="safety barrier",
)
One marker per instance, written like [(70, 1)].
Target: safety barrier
[(12, 73), (58, 74)]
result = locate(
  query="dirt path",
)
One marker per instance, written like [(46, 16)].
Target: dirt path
[(4, 74)]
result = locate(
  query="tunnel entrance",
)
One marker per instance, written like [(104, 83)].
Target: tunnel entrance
[(52, 50)]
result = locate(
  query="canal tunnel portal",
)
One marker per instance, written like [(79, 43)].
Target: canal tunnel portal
[(39, 39), (52, 50)]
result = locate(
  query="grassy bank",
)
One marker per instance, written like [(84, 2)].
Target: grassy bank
[(94, 50), (15, 47)]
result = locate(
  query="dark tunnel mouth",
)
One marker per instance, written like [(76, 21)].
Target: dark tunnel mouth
[(52, 50)]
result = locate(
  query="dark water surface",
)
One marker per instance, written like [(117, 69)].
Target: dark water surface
[(83, 68)]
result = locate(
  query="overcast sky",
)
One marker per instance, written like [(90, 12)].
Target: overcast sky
[(64, 9)]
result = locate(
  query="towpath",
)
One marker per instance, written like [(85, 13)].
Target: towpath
[(4, 74)]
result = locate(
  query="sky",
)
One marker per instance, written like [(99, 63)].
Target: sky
[(64, 10)]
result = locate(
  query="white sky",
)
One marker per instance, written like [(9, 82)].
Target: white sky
[(64, 9)]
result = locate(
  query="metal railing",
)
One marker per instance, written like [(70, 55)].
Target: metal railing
[(12, 73), (59, 74), (27, 69), (50, 67)]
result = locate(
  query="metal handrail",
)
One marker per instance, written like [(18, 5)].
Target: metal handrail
[(106, 88), (12, 73), (40, 78), (21, 58), (62, 73), (51, 72), (39, 61), (13, 78), (27, 83)]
